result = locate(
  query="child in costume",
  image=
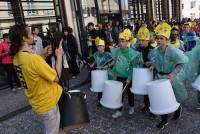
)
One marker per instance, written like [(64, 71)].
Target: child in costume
[(100, 59), (125, 59), (169, 64), (144, 48), (152, 40), (189, 37), (175, 42)]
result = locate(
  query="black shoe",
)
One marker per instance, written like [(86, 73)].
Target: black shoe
[(162, 124), (177, 114), (144, 109)]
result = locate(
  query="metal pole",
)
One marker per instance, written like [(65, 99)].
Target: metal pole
[(97, 10), (120, 9)]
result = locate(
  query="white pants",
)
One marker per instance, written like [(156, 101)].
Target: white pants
[(51, 121)]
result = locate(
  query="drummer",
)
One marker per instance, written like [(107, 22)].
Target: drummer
[(101, 60), (168, 63), (125, 59), (144, 47)]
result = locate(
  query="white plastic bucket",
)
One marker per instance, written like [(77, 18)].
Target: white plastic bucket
[(161, 97), (196, 83), (98, 77), (112, 94), (141, 76)]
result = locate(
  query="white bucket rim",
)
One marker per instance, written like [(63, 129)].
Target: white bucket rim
[(166, 111), (109, 106), (156, 82), (96, 90), (113, 81), (141, 69), (195, 86), (99, 71), (138, 93)]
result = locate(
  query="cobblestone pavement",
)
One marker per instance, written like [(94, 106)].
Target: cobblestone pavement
[(102, 123)]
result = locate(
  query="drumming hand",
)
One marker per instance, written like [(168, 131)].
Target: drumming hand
[(128, 82), (171, 77), (92, 65), (148, 64), (151, 67)]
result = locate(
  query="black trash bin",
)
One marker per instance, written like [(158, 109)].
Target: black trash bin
[(73, 110)]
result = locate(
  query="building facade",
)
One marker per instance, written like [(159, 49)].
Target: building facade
[(191, 9), (155, 9)]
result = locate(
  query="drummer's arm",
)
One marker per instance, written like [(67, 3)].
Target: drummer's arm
[(177, 69), (111, 64)]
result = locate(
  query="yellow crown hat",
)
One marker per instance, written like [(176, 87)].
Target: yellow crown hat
[(193, 24), (143, 34), (126, 34), (163, 29), (99, 42)]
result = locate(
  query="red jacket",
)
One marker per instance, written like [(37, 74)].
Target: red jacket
[(4, 49)]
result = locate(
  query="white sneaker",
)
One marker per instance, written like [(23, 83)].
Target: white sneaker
[(117, 114), (131, 110)]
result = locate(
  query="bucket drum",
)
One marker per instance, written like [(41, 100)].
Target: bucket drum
[(161, 97)]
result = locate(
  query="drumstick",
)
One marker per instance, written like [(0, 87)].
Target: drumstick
[(125, 87)]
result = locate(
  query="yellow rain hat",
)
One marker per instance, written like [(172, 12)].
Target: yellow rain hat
[(143, 34), (193, 24), (99, 42), (163, 29), (126, 34)]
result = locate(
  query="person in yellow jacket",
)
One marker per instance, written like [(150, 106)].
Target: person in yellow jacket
[(40, 81)]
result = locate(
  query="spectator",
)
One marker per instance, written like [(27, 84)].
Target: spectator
[(38, 47), (71, 49), (8, 63)]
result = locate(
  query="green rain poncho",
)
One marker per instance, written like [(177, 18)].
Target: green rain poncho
[(192, 68), (125, 61), (102, 59), (178, 44), (165, 63)]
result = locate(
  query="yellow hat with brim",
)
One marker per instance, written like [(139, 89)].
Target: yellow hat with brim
[(123, 36), (193, 24), (163, 29), (143, 34), (126, 34), (99, 42)]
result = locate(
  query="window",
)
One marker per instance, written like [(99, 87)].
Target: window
[(6, 17), (193, 4), (35, 12)]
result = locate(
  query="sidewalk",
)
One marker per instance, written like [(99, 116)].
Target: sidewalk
[(12, 103)]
